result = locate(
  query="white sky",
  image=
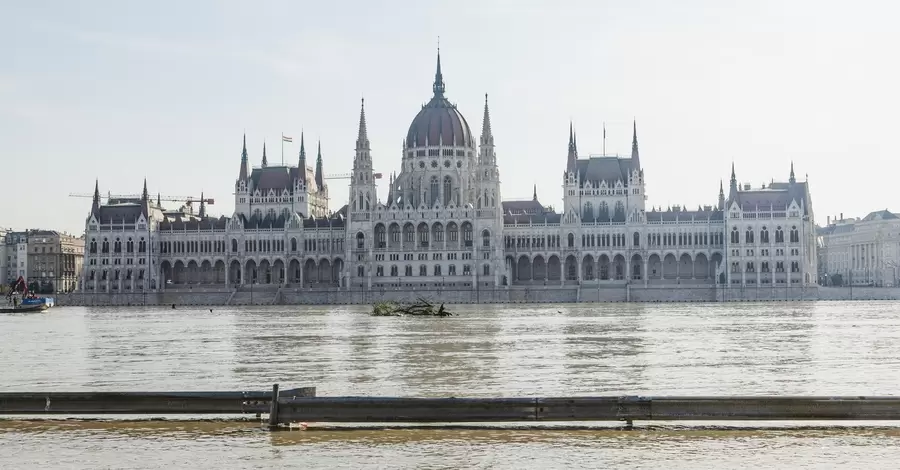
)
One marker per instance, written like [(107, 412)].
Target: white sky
[(125, 90)]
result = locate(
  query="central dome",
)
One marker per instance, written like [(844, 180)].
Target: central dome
[(439, 122)]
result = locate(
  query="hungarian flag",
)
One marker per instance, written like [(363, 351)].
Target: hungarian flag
[(285, 138)]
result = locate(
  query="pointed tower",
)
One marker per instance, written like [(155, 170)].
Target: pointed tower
[(792, 179), (390, 194), (487, 177), (158, 201), (301, 164), (244, 172), (202, 205), (145, 200), (721, 196), (320, 177), (534, 196), (265, 161), (635, 155), (573, 152), (438, 87), (733, 185), (363, 193), (95, 205)]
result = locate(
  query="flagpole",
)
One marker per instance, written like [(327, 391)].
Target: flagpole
[(604, 138)]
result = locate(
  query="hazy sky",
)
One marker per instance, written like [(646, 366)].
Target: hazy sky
[(125, 90)]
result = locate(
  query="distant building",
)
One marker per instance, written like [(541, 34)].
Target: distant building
[(54, 260), (862, 251), (444, 223), (16, 247)]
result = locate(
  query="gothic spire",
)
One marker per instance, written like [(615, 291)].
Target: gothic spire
[(144, 195), (635, 155), (301, 165), (721, 196), (438, 87), (265, 161), (362, 139), (390, 195), (570, 161), (320, 178), (792, 179), (733, 187), (245, 163), (202, 205), (534, 196), (95, 205), (158, 200), (486, 136)]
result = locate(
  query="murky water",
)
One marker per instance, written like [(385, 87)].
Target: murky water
[(664, 349)]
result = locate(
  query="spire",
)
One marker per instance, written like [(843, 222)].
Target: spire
[(534, 196), (573, 153), (721, 196), (144, 195), (792, 179), (265, 161), (362, 139), (486, 136), (202, 205), (158, 200), (301, 165), (438, 87), (733, 185), (95, 205), (635, 156), (390, 195), (245, 163), (320, 178)]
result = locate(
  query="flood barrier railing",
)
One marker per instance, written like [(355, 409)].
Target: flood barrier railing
[(302, 405)]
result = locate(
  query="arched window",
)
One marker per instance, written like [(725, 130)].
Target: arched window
[(408, 272), (129, 245), (117, 246), (434, 193), (571, 240), (293, 245), (603, 212), (437, 270), (467, 233), (587, 213), (105, 246), (764, 235), (142, 245), (637, 239), (360, 241), (234, 245), (735, 235), (795, 235), (423, 270), (620, 212), (486, 238), (779, 235), (448, 190), (380, 236), (748, 236), (394, 271), (93, 245), (487, 270)]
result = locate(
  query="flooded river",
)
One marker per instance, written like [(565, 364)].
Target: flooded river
[(850, 348)]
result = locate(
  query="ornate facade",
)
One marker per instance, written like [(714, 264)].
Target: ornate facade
[(444, 223)]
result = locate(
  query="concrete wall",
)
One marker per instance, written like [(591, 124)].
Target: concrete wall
[(272, 295)]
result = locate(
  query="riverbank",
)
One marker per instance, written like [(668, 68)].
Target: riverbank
[(274, 295)]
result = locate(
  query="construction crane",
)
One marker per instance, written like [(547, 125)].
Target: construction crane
[(346, 176), (188, 200)]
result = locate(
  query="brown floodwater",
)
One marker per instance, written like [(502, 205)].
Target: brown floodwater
[(849, 348)]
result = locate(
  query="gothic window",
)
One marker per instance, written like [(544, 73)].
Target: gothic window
[(395, 233), (795, 267), (487, 270), (620, 212), (448, 189), (142, 245), (293, 245), (93, 245), (587, 213), (408, 271), (571, 240), (117, 246), (779, 235), (379, 271), (748, 236), (485, 238), (452, 232), (735, 236), (423, 270), (764, 235), (437, 232), (467, 233), (434, 192), (437, 270), (451, 270), (105, 246), (637, 239), (603, 212), (423, 234), (409, 234), (750, 267), (360, 241), (380, 236), (795, 235)]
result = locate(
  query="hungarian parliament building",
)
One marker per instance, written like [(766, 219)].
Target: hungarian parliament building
[(445, 224)]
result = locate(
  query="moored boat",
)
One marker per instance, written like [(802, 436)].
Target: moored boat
[(29, 302)]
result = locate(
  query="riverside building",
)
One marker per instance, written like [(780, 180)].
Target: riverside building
[(444, 224)]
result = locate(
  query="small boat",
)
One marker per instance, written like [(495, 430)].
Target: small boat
[(24, 308), (28, 303)]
